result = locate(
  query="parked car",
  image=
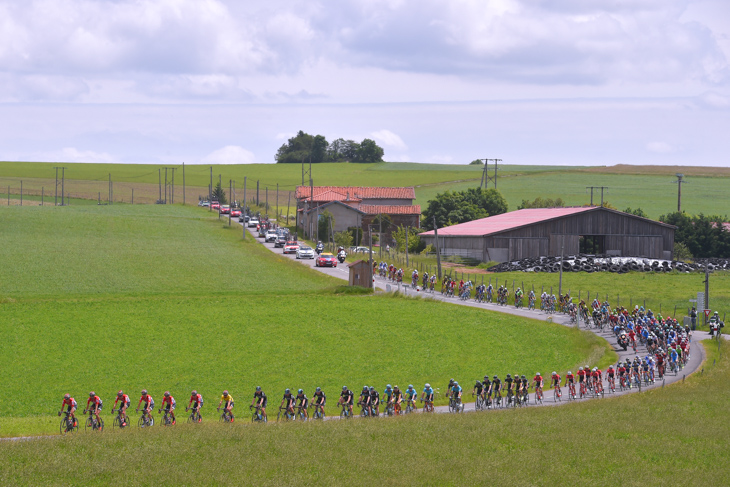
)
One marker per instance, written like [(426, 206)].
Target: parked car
[(225, 209), (271, 235), (205, 204), (215, 205), (280, 241), (305, 252), (235, 212), (291, 247), (326, 259), (253, 222)]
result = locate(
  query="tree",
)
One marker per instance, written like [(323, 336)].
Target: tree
[(219, 195), (637, 212), (462, 206), (415, 244), (704, 236), (324, 227), (301, 147), (539, 202), (369, 151), (343, 239), (681, 252), (476, 162)]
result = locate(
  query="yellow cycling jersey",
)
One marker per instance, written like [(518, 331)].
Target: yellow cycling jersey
[(227, 398)]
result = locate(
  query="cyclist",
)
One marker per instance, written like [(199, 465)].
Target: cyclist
[(196, 401), (456, 393), (71, 403), (570, 382), (556, 382), (478, 388), (388, 396), (227, 401), (487, 387), (125, 403), (525, 386), (346, 398), (427, 395), (365, 399), (94, 404), (168, 404), (537, 382), (260, 400), (495, 389), (374, 402), (411, 396), (510, 382), (611, 375), (397, 399), (319, 399), (597, 378), (448, 389), (288, 399), (303, 402), (149, 403), (581, 376)]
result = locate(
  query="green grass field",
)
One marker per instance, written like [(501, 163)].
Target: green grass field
[(676, 434), (163, 298)]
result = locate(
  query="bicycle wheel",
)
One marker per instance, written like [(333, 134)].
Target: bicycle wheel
[(279, 416), (89, 424), (140, 422), (116, 423), (64, 426)]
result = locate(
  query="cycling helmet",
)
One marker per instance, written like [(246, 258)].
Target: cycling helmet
[(167, 393), (410, 386), (194, 393), (523, 377), (372, 389), (144, 392), (92, 394), (595, 369), (428, 386), (287, 391), (570, 373), (387, 387), (120, 393), (496, 377), (580, 368), (344, 388), (452, 380), (396, 387), (225, 393), (319, 389), (456, 383), (365, 388), (478, 382), (554, 373), (258, 388), (67, 396), (486, 377), (300, 391), (538, 374), (508, 376)]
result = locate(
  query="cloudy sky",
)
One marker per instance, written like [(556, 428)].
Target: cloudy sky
[(213, 81)]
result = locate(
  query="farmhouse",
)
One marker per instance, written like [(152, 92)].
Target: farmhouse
[(532, 233), (358, 207)]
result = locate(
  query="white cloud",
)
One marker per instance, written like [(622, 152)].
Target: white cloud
[(230, 154), (660, 148), (389, 139)]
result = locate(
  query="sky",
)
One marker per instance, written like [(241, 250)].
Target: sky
[(570, 82)]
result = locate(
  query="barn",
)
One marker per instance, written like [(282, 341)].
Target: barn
[(536, 232)]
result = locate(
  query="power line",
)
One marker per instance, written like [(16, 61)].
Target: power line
[(678, 182), (596, 187), (485, 174)]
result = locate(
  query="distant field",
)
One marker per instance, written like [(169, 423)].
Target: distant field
[(676, 434)]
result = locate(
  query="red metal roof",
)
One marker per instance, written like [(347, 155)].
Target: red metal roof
[(507, 221), (391, 209), (357, 192)]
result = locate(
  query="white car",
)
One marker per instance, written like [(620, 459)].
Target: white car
[(253, 222), (271, 235), (305, 252)]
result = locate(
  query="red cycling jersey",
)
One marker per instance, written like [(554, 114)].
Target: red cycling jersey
[(570, 378), (610, 371), (167, 400), (556, 378), (124, 399), (96, 400), (538, 380), (69, 402), (146, 398), (196, 398)]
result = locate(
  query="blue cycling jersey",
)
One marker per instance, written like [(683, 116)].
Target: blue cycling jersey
[(428, 390), (456, 389)]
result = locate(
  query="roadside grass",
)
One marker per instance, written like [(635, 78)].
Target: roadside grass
[(678, 433), (137, 250), (52, 347)]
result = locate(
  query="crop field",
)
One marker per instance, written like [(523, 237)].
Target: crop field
[(161, 298), (676, 433)]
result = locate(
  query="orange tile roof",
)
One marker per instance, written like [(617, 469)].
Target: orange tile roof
[(358, 192), (391, 209)]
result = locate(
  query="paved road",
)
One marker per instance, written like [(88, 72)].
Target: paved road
[(696, 356)]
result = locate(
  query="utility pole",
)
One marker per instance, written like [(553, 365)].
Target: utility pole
[(560, 281), (183, 183), (678, 182), (159, 184), (370, 259), (277, 202), (244, 208), (132, 196), (266, 207), (257, 192), (230, 191), (166, 183), (596, 187), (210, 190), (707, 290), (21, 192), (438, 251), (406, 246), (485, 174), (63, 181), (172, 189), (288, 203), (109, 198)]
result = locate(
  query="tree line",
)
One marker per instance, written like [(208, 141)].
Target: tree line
[(304, 147), (703, 235)]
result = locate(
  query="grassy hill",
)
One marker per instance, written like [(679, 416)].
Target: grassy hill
[(167, 297), (675, 434)]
